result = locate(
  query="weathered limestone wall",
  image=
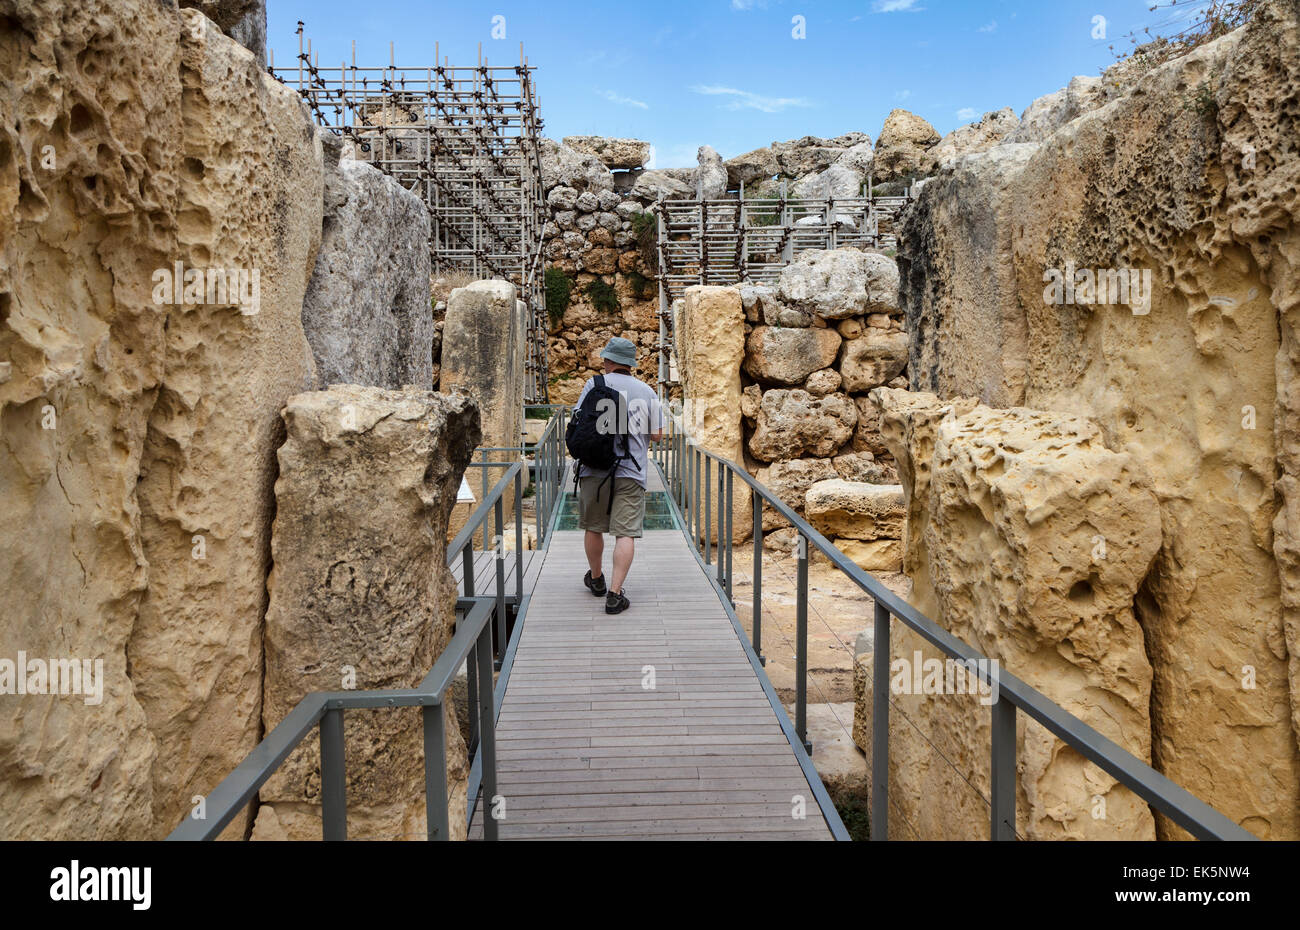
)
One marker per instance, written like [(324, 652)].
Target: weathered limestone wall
[(818, 342), (360, 587), (1190, 174), (133, 137), (1037, 539), (367, 313)]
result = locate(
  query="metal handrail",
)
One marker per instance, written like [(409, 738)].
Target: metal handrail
[(473, 636), (685, 462)]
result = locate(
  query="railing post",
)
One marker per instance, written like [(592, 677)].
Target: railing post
[(333, 777), (708, 510), (484, 470), (519, 532), (880, 726), (758, 577), (500, 559), (801, 647), (540, 482), (695, 494), (435, 774), (731, 531), (467, 566), (1002, 793), (487, 730)]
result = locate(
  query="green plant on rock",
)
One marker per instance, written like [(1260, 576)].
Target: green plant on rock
[(646, 229), (602, 296), (559, 286), (639, 284), (1205, 102)]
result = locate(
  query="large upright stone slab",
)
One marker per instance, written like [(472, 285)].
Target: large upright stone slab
[(483, 342), (360, 595), (367, 312), (709, 337)]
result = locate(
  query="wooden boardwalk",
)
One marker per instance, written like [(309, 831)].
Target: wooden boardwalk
[(485, 572), (646, 725)]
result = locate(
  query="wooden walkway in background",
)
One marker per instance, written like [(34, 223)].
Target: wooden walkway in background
[(589, 747), (485, 572)]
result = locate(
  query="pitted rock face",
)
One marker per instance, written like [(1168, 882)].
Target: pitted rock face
[(792, 424), (563, 166), (992, 129), (786, 357), (873, 359), (1210, 210), (840, 283), (612, 153)]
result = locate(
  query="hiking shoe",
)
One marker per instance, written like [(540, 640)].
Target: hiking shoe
[(616, 603), (596, 587)]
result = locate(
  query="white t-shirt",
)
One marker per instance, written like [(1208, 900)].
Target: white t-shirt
[(644, 416)]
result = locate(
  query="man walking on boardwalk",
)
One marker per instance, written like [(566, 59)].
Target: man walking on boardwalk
[(616, 503)]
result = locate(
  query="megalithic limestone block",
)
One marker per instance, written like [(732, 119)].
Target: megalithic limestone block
[(483, 351), (1030, 540), (360, 595), (1199, 380), (709, 338), (367, 312)]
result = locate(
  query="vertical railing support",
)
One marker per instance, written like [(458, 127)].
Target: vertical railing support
[(487, 731), (708, 509), (758, 578), (801, 647), (1002, 793), (333, 777), (880, 726), (731, 532), (500, 559), (519, 532), (435, 774)]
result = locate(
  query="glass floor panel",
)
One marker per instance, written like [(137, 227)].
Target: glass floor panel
[(658, 512)]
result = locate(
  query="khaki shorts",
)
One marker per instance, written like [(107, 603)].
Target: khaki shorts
[(627, 516)]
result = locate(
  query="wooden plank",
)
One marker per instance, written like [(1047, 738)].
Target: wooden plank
[(587, 750)]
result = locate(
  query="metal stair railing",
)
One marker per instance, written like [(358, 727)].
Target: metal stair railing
[(689, 470)]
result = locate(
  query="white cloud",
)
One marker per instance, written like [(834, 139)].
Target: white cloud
[(896, 6), (902, 95), (623, 101), (745, 100), (967, 114), (991, 27)]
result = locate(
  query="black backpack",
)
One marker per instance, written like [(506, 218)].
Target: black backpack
[(592, 445)]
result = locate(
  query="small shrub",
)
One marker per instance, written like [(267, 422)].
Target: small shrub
[(646, 229), (639, 284), (558, 288), (1206, 20), (602, 296), (1204, 102)]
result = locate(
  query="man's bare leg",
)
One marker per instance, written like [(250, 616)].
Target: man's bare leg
[(624, 549), (595, 545)]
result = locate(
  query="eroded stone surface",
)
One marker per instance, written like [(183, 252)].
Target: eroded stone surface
[(360, 587)]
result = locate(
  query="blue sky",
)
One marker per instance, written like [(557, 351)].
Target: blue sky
[(730, 73)]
